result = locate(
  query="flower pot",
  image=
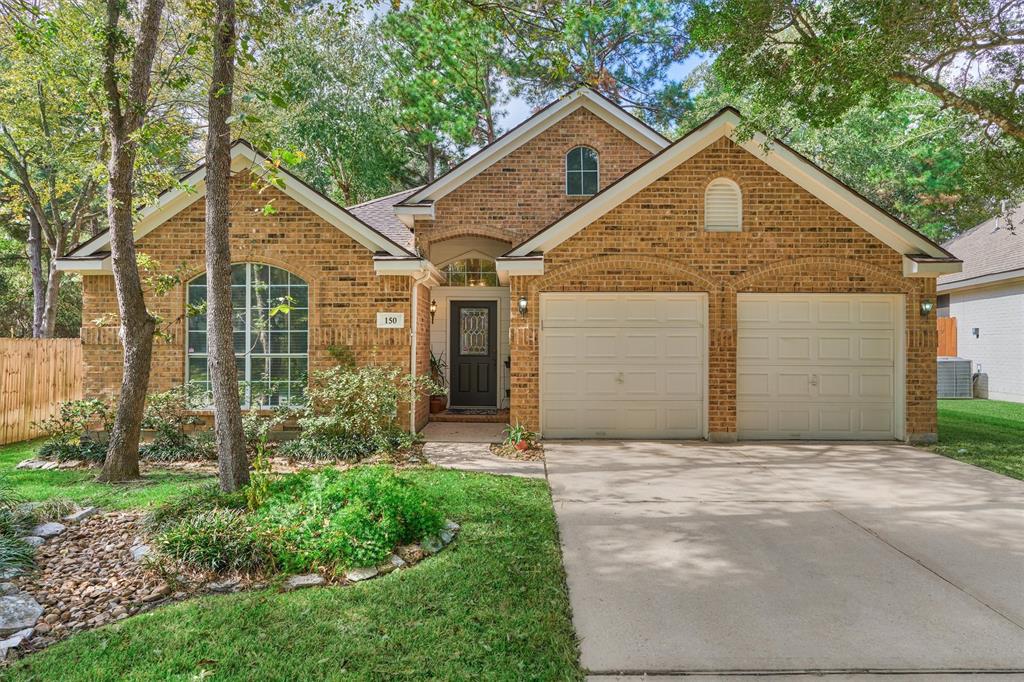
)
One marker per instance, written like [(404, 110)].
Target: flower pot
[(522, 445), (438, 403)]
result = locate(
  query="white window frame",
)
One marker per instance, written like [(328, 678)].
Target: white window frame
[(582, 171), (248, 353), (732, 184)]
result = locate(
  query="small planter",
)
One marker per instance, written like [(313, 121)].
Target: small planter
[(438, 403), (522, 445)]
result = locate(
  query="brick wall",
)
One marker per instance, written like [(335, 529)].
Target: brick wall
[(791, 242), (525, 191), (345, 293)]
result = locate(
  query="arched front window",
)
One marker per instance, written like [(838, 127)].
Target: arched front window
[(471, 272), (270, 307), (723, 206), (581, 172)]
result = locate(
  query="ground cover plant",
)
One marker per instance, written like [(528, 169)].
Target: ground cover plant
[(326, 520), (986, 433)]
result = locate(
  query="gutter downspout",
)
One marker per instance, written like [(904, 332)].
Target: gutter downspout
[(416, 282)]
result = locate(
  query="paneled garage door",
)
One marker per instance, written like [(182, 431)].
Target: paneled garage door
[(622, 365), (820, 366)]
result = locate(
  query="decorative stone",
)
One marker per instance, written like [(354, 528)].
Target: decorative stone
[(14, 641), (227, 585), (18, 611), (49, 530), (7, 588), (33, 540), (36, 464), (447, 536), (431, 545), (355, 575), (410, 553), (81, 514), (159, 593), (140, 552), (298, 582), (452, 526), (391, 564)]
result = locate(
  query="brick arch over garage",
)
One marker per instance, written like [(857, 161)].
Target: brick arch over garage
[(821, 273), (636, 266)]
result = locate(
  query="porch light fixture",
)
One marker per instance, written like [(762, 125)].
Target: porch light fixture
[(522, 306), (433, 309), (927, 306)]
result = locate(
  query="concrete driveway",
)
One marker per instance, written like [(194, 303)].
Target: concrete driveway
[(788, 559)]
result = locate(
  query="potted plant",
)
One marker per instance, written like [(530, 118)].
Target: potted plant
[(438, 401), (519, 437)]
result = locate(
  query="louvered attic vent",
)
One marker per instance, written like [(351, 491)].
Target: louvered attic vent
[(723, 206)]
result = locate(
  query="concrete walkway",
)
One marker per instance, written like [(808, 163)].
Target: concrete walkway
[(855, 561)]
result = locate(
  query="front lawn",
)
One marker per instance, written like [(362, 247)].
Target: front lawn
[(986, 433), (80, 484), (491, 606)]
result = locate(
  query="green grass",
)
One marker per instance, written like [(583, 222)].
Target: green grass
[(986, 433), (80, 484), (492, 606)]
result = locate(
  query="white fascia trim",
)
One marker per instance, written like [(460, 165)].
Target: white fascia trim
[(528, 130), (913, 268), (93, 266), (981, 280), (407, 214), (624, 189), (805, 174), (244, 157), (509, 267)]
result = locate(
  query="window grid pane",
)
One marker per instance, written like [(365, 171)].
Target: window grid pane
[(270, 350)]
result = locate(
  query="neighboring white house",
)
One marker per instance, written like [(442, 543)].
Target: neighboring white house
[(987, 300)]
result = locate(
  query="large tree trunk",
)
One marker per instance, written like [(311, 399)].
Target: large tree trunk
[(125, 116), (53, 282), (233, 465), (35, 264), (137, 325)]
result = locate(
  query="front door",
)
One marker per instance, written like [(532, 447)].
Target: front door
[(474, 354)]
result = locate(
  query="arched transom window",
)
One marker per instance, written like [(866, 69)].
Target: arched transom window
[(270, 307), (723, 206), (471, 272), (581, 172)]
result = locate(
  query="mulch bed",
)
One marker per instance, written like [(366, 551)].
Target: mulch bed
[(534, 453)]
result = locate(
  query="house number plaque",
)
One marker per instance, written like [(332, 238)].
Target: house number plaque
[(390, 320)]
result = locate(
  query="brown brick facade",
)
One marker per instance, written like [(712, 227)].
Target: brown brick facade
[(345, 292), (525, 190), (791, 242)]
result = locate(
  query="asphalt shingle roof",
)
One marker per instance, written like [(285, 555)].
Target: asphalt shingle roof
[(990, 248), (380, 215)]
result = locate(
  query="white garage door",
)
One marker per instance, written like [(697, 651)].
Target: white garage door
[(622, 365), (819, 366)]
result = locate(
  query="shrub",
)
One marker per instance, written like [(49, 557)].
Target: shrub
[(353, 412), (77, 431), (193, 501), (169, 415), (216, 540), (15, 521), (15, 554), (307, 521)]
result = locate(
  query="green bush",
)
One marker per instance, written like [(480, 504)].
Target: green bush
[(170, 415), (323, 520), (352, 412), (15, 521), (77, 431), (194, 500)]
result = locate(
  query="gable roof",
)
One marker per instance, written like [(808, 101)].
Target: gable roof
[(379, 214), (94, 254), (887, 228), (991, 251), (581, 98)]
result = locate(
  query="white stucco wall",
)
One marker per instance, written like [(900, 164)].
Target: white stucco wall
[(998, 351)]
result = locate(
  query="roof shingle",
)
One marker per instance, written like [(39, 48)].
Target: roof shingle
[(988, 249), (380, 215)]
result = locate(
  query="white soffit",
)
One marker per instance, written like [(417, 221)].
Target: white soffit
[(193, 187), (581, 98), (787, 162)]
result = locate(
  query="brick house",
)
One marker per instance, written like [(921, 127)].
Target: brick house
[(582, 272)]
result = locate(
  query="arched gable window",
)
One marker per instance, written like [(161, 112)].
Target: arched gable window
[(270, 307), (723, 206), (581, 172), (471, 272)]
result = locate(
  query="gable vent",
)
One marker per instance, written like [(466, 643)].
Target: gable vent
[(723, 206)]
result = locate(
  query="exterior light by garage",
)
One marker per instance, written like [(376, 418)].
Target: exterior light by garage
[(433, 309), (522, 306), (927, 306)]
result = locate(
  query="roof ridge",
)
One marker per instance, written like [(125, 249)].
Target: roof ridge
[(387, 196)]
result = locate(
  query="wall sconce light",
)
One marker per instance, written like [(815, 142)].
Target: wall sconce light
[(927, 306), (433, 310), (522, 306)]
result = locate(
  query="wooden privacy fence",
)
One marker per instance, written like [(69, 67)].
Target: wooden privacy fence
[(947, 336), (36, 375)]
